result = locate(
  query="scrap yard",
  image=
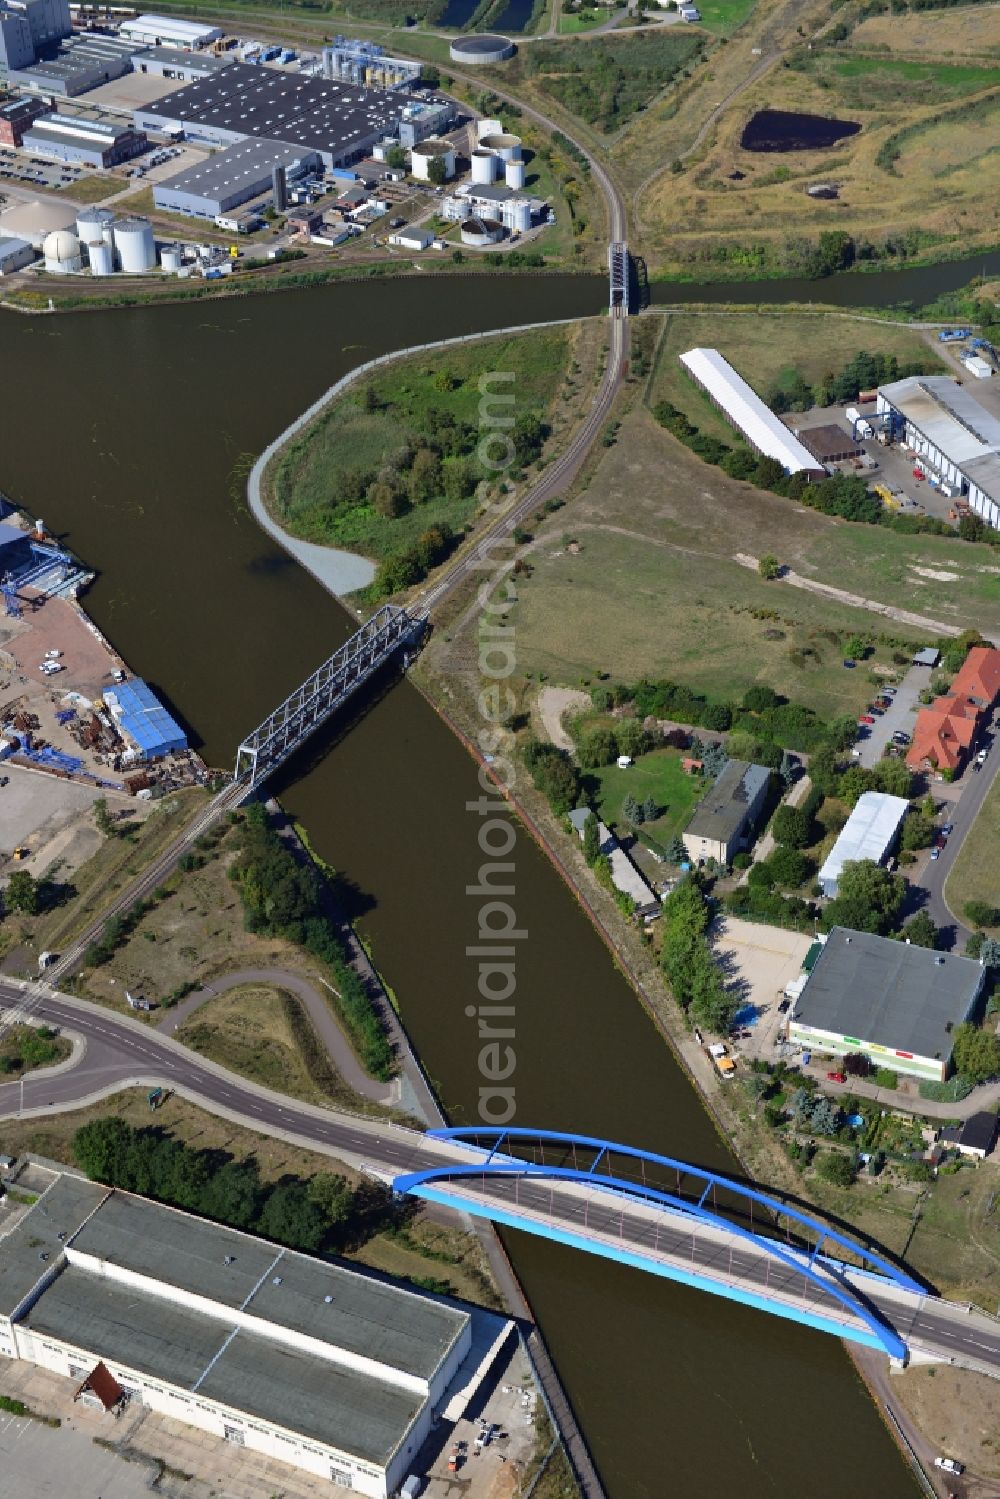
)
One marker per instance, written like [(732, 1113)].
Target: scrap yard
[(75, 724)]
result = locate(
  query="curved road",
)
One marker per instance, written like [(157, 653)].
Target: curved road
[(337, 1047)]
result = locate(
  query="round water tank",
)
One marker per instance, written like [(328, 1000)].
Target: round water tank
[(91, 223), (488, 127), (423, 154), (506, 146), (62, 251), (170, 258), (514, 174), (519, 214), (102, 258), (481, 48), (485, 166), (480, 232), (135, 245)]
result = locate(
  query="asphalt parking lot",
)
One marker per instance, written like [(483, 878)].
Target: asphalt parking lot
[(43, 1462), (900, 717), (21, 167)]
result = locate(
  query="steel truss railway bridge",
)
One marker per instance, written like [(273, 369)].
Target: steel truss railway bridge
[(390, 631), (704, 1230)]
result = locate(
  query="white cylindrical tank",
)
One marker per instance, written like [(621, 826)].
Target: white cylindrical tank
[(514, 174), (135, 245), (485, 166), (423, 154), (488, 127), (481, 232), (507, 146), (518, 214), (108, 235), (170, 258), (62, 252), (91, 224), (102, 258)]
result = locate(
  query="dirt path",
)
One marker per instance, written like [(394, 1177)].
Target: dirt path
[(856, 600), (335, 1043), (552, 704)]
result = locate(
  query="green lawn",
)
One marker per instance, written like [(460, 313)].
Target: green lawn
[(318, 484), (724, 16), (875, 82), (657, 775), (607, 81), (974, 876), (581, 21)]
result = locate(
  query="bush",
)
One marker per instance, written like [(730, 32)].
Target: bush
[(835, 1168), (979, 913), (886, 1078), (953, 1091)]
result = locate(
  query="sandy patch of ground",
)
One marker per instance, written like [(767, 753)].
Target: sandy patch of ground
[(937, 573), (957, 1412), (553, 703)]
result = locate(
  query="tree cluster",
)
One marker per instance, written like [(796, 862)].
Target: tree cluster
[(687, 961), (869, 898), (554, 774), (324, 1212), (864, 371), (283, 897)]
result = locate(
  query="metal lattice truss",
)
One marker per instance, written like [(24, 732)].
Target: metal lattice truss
[(320, 695), (618, 265)]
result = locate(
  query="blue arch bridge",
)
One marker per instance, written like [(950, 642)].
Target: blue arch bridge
[(702, 1229)]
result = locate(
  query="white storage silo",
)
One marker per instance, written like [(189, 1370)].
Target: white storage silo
[(518, 214), (514, 174), (91, 223), (485, 166), (488, 127), (170, 258), (135, 245), (507, 146), (102, 258)]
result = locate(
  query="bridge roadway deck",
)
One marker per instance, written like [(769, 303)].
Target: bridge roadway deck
[(120, 1051)]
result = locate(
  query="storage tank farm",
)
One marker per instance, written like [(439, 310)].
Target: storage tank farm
[(135, 245), (170, 258), (485, 166), (91, 224), (508, 147)]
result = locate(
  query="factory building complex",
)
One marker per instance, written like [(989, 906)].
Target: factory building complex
[(952, 434), (898, 1004), (334, 1371)]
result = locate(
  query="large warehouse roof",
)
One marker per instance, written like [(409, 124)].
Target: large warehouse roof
[(953, 420), (744, 408), (888, 993), (317, 113), (56, 1216), (867, 834), (240, 168), (158, 29)]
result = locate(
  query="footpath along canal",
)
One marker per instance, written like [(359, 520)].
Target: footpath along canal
[(128, 433)]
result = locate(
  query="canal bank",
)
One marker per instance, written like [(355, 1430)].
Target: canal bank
[(230, 623)]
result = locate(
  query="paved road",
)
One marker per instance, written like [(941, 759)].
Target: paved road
[(933, 873), (121, 1051), (337, 1046)]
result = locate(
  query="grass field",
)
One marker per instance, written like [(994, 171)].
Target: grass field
[(767, 348), (22, 1050), (959, 32), (657, 775), (577, 21), (956, 1409), (262, 1033), (974, 876), (95, 189), (724, 16), (866, 82), (308, 478)]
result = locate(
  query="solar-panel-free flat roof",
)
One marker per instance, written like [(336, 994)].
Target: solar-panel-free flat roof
[(33, 1247), (318, 113), (888, 993)]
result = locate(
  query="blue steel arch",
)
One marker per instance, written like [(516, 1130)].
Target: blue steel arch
[(882, 1334)]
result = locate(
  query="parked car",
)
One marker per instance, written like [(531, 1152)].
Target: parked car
[(866, 718), (836, 1077), (935, 853), (949, 827), (981, 757), (949, 1465), (900, 738), (850, 665), (888, 692)]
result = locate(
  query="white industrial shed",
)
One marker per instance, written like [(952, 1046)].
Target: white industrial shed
[(741, 405), (169, 31), (304, 1360), (868, 833), (957, 439)]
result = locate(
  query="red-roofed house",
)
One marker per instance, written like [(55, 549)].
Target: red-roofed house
[(945, 731), (979, 677)]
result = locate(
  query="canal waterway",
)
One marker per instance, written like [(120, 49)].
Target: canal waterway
[(128, 433)]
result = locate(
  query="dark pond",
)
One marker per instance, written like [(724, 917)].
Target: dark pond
[(457, 13), (514, 17), (781, 130)]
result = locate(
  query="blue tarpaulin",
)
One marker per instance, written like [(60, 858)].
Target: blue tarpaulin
[(145, 721)]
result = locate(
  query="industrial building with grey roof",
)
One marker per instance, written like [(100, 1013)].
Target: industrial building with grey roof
[(338, 120), (723, 820), (956, 437), (897, 1003), (311, 1362), (228, 178)]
